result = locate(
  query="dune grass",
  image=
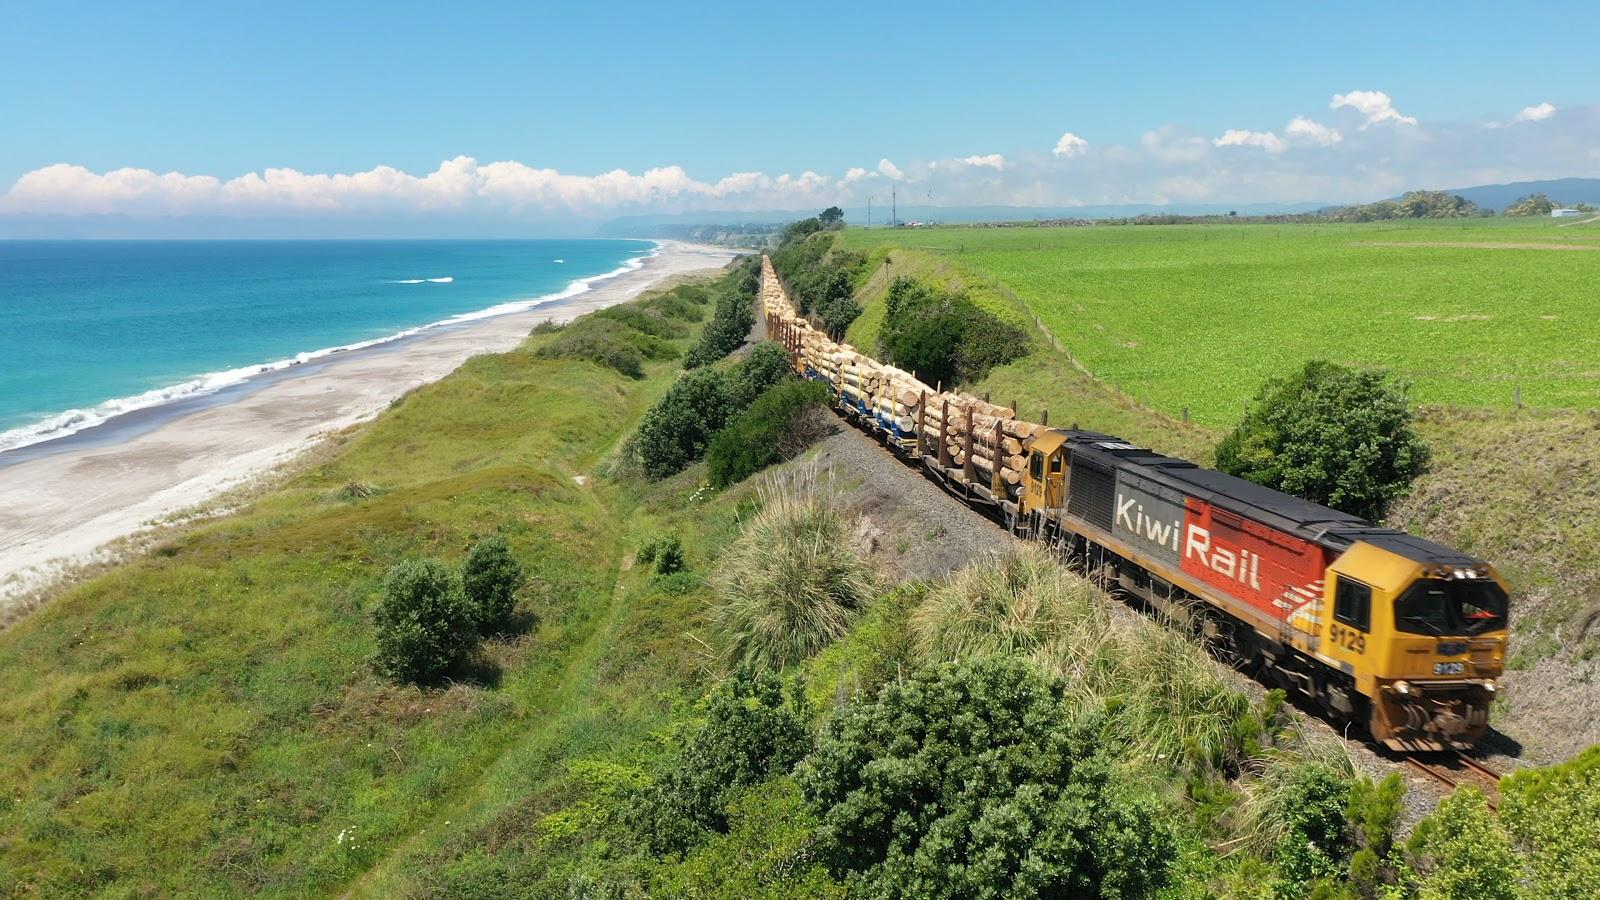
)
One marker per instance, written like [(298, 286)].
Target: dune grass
[(204, 720), (794, 581)]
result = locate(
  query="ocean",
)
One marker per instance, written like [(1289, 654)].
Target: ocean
[(92, 329)]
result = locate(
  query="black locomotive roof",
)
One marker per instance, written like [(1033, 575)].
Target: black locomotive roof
[(1310, 521)]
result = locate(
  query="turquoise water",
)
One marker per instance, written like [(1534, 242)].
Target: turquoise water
[(90, 329)]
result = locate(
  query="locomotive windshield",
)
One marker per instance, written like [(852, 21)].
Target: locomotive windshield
[(1451, 607)]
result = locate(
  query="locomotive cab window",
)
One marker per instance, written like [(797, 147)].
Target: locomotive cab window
[(1055, 463), (1352, 603), (1439, 607), (1036, 466)]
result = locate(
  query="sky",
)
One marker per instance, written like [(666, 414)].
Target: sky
[(534, 116)]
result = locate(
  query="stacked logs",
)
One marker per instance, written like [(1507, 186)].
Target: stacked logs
[(963, 431)]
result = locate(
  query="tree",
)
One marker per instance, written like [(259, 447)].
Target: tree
[(425, 625), (1531, 205), (490, 577), (831, 216), (1331, 434), (974, 780)]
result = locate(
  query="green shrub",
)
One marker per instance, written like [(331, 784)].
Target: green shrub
[(766, 365), (663, 552), (765, 853), (972, 780), (491, 577), (777, 426), (1315, 838), (606, 343), (730, 324), (751, 733), (425, 625), (1555, 813), (678, 429), (944, 337), (792, 582), (1462, 852), (679, 303), (1333, 435), (641, 320), (1374, 814), (675, 431)]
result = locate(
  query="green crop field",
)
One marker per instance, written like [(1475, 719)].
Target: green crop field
[(1197, 316)]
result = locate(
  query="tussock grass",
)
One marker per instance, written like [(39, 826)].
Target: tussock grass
[(794, 580), (1018, 602), (1168, 702)]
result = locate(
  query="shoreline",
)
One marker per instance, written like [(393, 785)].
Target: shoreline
[(64, 425), (71, 497)]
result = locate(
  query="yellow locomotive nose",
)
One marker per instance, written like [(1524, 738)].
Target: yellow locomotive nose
[(1436, 637)]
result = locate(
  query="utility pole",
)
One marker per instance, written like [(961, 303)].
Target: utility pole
[(894, 208)]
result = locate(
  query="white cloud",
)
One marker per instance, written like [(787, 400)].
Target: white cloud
[(1535, 113), (991, 161), (1266, 140), (1171, 144), (1070, 145), (1374, 107), (1302, 129), (457, 184), (1168, 164)]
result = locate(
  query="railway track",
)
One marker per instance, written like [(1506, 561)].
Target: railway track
[(1455, 769)]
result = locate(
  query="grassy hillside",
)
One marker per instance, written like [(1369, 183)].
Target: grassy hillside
[(204, 720), (1197, 316), (1048, 378)]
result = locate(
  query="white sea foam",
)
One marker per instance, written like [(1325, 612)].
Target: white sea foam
[(560, 260), (75, 420), (445, 280)]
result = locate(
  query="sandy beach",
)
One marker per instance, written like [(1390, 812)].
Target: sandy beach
[(62, 505)]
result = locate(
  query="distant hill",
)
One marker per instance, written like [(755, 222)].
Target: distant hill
[(1563, 190)]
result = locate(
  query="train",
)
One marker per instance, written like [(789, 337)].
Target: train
[(1378, 627)]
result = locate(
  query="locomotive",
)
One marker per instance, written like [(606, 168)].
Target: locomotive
[(1379, 627)]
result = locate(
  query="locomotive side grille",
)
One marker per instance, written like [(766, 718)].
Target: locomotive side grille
[(1091, 493)]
